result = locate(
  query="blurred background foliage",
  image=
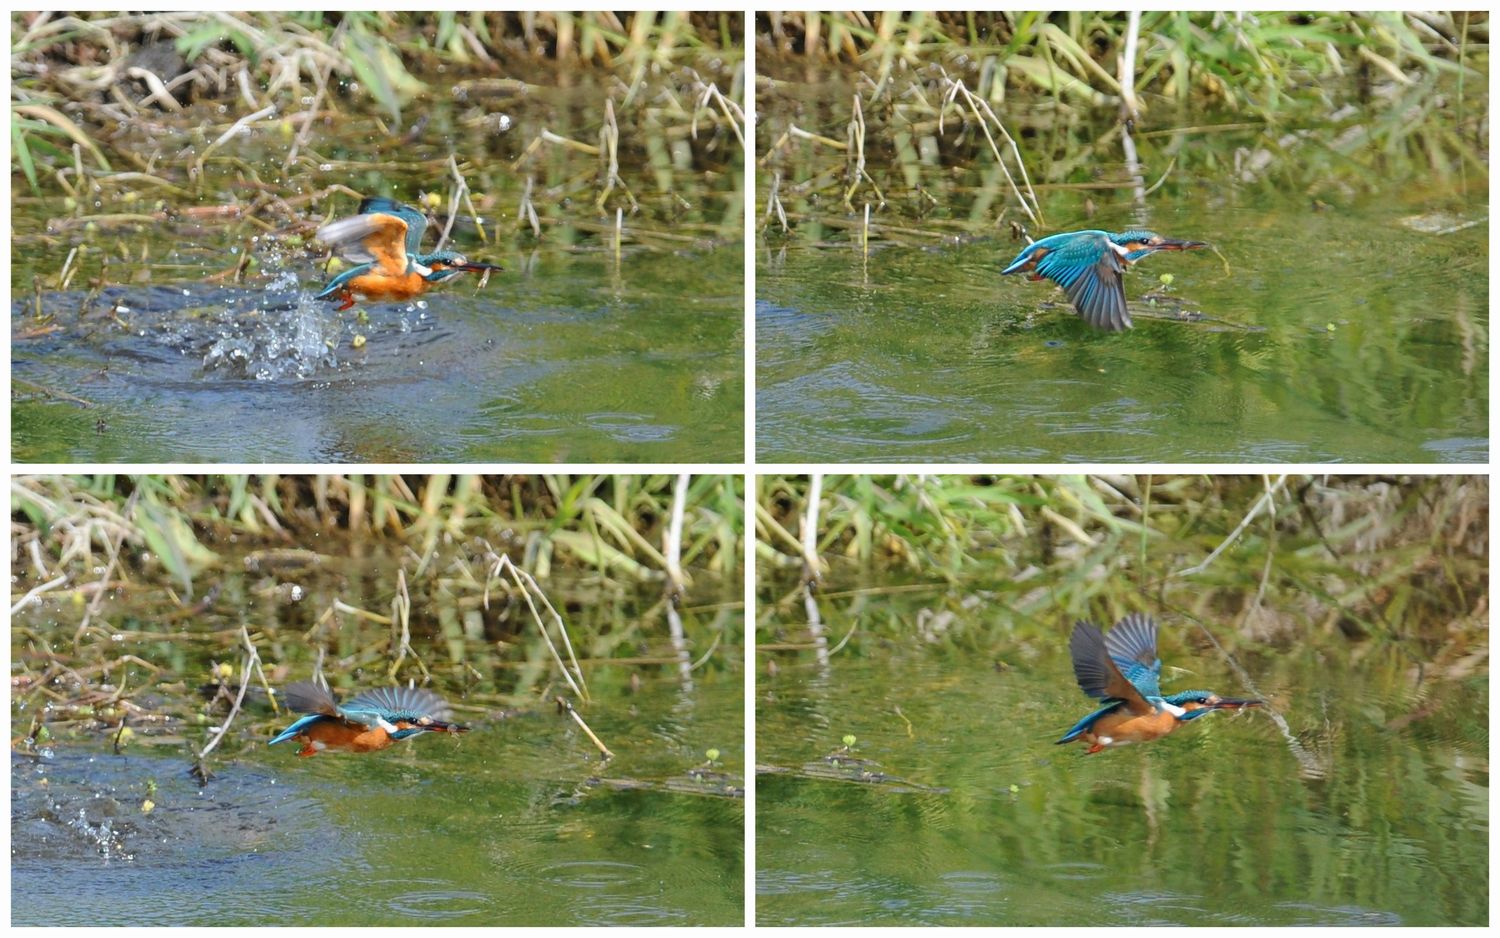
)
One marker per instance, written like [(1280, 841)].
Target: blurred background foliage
[(92, 67)]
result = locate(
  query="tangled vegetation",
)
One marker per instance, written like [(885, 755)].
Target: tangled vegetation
[(1403, 559), (242, 128), (916, 114)]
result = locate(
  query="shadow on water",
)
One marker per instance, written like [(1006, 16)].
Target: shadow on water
[(1372, 809)]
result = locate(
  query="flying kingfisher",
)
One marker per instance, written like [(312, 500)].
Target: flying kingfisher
[(1122, 670), (368, 722), (1088, 265), (384, 240)]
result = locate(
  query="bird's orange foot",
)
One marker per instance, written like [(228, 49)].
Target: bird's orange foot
[(348, 299), (1096, 747)]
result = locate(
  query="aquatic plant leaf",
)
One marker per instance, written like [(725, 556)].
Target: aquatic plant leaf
[(170, 537), (23, 156)]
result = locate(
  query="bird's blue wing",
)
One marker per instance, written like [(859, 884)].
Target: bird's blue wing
[(1098, 675), (1088, 270), (395, 704), (1132, 647)]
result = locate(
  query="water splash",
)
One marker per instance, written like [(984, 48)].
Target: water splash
[(103, 837), (297, 341)]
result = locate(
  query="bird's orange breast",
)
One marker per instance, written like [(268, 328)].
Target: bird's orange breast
[(1122, 726), (337, 734), (377, 285)]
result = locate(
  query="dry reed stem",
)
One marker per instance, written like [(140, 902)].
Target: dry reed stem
[(811, 564), (252, 659), (1268, 499), (36, 591), (676, 578), (528, 584), (567, 706)]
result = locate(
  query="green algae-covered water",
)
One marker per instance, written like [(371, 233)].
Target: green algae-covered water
[(517, 822), (953, 806)]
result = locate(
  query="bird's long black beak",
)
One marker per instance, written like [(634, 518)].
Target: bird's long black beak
[(1172, 244), (1234, 703), (478, 268)]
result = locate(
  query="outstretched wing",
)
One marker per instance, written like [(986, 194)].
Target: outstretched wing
[(397, 705), (1089, 271), (1132, 646), (1097, 674), (306, 697), (416, 222), (378, 239)]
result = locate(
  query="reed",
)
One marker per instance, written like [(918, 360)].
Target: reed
[(505, 591), (207, 80)]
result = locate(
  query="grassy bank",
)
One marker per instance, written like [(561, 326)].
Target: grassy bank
[(613, 526), (1244, 61)]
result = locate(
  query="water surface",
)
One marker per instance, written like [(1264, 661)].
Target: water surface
[(566, 359), (1324, 341), (1371, 809), (1341, 314)]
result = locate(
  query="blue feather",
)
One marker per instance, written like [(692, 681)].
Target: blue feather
[(296, 728)]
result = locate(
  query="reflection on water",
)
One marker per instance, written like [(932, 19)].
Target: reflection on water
[(1218, 824)]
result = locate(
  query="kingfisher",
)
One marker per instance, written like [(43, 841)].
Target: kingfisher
[(368, 722), (384, 240), (1088, 265), (1122, 670)]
